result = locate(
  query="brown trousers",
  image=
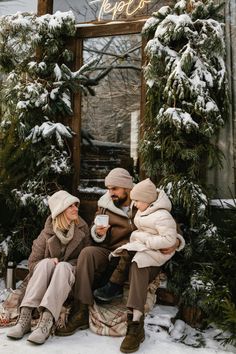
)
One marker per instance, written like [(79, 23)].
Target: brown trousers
[(121, 272), (93, 261)]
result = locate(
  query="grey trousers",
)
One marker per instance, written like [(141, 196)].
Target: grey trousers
[(93, 260), (49, 286)]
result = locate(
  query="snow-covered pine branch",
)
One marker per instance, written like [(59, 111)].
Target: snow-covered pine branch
[(47, 130)]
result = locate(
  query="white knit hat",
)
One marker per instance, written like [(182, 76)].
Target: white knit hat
[(119, 177), (144, 191), (60, 201)]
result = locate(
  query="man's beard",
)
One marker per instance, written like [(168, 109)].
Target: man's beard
[(119, 201)]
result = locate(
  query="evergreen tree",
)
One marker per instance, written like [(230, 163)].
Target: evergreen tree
[(187, 104), (35, 156)]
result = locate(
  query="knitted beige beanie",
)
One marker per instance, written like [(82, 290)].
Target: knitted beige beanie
[(144, 191), (119, 177), (60, 201)]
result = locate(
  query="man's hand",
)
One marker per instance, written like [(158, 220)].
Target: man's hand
[(172, 249), (101, 230)]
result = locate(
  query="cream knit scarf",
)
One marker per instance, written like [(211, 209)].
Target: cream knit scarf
[(65, 237)]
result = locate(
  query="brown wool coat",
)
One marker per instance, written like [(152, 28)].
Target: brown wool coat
[(47, 245), (121, 225)]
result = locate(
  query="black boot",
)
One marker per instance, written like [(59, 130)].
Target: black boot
[(108, 292), (134, 336), (78, 319)]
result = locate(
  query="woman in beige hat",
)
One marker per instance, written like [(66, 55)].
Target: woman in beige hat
[(51, 266)]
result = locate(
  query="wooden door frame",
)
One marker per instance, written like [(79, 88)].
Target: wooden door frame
[(93, 31), (45, 7)]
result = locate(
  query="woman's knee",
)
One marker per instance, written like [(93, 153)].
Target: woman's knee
[(45, 263), (63, 266), (64, 270)]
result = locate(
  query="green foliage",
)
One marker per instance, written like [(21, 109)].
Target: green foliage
[(35, 155), (187, 89), (187, 104)]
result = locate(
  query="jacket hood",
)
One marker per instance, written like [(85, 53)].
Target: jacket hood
[(162, 202), (107, 203)]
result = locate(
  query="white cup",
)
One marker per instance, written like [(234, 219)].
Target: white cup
[(102, 220)]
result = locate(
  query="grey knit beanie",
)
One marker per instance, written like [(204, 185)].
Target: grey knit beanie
[(119, 177), (60, 201), (144, 191)]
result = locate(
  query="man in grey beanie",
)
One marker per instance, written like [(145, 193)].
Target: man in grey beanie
[(94, 260)]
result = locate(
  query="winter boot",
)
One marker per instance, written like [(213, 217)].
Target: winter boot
[(108, 292), (134, 335), (23, 324), (43, 329), (78, 319)]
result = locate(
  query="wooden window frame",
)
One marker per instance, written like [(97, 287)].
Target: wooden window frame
[(93, 31)]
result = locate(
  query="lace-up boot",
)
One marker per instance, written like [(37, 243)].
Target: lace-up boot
[(43, 329), (23, 324), (134, 335)]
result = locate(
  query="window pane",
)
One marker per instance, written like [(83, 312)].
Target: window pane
[(110, 119)]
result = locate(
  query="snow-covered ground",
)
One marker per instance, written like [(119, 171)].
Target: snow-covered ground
[(162, 337), (158, 340)]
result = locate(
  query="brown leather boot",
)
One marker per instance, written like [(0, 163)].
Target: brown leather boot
[(134, 336), (78, 319)]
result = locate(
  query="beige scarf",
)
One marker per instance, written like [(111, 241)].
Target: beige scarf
[(65, 236)]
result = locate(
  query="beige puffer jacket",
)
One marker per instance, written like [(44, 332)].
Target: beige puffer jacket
[(156, 229)]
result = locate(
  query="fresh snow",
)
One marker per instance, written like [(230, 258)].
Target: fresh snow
[(46, 129), (223, 203), (161, 337), (178, 21), (178, 117), (56, 20)]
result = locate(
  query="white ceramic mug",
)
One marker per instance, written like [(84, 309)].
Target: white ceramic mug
[(102, 220)]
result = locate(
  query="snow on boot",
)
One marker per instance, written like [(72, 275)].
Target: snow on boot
[(23, 324), (43, 329), (135, 335)]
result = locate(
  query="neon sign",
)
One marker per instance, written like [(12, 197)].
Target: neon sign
[(129, 7)]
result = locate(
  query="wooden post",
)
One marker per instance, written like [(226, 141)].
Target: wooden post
[(141, 171), (45, 7), (76, 120)]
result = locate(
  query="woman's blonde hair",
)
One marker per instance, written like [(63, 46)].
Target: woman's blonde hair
[(60, 222)]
